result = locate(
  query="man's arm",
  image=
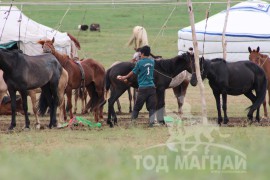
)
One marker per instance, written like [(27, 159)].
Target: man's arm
[(122, 78)]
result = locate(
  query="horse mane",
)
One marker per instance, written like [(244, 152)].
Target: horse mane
[(263, 55), (77, 44), (12, 53), (168, 65), (218, 60)]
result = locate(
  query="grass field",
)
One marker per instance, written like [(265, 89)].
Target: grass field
[(108, 153)]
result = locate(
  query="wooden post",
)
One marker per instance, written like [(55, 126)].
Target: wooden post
[(224, 43), (197, 64)]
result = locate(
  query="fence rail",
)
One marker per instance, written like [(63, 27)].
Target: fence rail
[(117, 2)]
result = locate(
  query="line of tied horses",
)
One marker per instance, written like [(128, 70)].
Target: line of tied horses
[(56, 74)]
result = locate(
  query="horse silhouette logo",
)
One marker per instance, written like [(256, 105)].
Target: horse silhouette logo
[(190, 136)]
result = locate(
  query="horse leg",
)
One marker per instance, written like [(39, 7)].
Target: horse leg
[(268, 89), (25, 109), (32, 95), (119, 106), (160, 105), (101, 113), (177, 92), (224, 107), (61, 94), (69, 101), (265, 108), (55, 102), (75, 102), (13, 109), (2, 94), (217, 97), (130, 100), (85, 100), (180, 93), (135, 94), (252, 97), (111, 113)]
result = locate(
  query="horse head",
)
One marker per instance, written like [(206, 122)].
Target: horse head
[(185, 60), (193, 80), (47, 45), (254, 55)]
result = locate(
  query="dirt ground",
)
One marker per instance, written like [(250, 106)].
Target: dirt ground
[(123, 121)]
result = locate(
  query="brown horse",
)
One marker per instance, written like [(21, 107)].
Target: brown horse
[(264, 62), (86, 73)]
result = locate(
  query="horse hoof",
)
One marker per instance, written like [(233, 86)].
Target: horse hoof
[(38, 126), (11, 128), (52, 126), (26, 129)]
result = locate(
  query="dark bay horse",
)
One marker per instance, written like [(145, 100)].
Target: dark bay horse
[(234, 78), (22, 73), (263, 61), (32, 94), (86, 73), (165, 71)]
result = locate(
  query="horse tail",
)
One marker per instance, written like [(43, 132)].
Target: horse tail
[(260, 96), (94, 99), (79, 92), (42, 103), (76, 42), (107, 80)]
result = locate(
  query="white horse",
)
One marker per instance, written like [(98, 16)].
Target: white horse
[(139, 37)]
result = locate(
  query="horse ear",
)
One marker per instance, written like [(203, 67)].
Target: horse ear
[(249, 49), (258, 49), (41, 42)]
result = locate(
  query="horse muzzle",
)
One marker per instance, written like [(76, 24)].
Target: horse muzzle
[(193, 81), (47, 50)]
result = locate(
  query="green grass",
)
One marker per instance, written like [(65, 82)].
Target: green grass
[(109, 153)]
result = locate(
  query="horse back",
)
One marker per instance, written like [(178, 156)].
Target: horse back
[(122, 68), (244, 76)]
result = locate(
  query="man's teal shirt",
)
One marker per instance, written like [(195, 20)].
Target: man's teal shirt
[(144, 69)]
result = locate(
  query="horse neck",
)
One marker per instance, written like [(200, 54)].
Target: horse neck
[(173, 66), (6, 61), (62, 58), (264, 62)]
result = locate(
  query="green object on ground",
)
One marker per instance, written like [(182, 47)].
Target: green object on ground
[(87, 122), (169, 119), (80, 120)]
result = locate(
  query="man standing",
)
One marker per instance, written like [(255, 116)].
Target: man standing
[(144, 69)]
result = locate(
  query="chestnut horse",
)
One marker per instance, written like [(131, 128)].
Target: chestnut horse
[(86, 73), (264, 62)]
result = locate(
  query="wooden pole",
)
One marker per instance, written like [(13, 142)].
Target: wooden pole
[(197, 64), (224, 43)]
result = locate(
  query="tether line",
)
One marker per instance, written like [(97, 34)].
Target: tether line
[(60, 23), (6, 19), (162, 27), (163, 74), (207, 16)]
